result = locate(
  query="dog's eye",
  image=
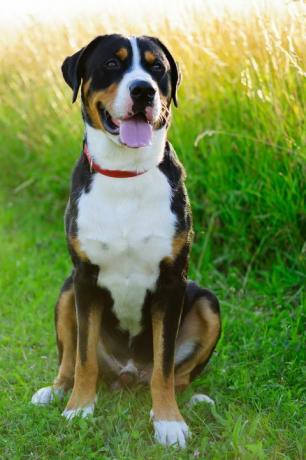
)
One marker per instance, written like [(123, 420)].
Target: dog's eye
[(157, 66), (112, 64)]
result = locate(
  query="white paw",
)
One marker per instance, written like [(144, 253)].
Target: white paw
[(171, 433), (46, 395), (80, 412), (199, 398)]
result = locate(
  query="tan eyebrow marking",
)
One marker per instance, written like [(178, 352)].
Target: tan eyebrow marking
[(122, 53), (149, 57)]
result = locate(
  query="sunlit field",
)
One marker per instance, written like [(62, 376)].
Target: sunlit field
[(240, 132)]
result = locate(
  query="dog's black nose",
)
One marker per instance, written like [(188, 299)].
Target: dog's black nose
[(142, 92)]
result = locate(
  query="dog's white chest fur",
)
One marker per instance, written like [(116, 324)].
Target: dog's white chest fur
[(126, 227)]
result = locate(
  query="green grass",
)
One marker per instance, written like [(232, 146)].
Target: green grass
[(243, 90)]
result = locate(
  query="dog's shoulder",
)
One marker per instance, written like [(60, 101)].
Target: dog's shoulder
[(81, 180), (175, 173), (172, 167), (81, 177)]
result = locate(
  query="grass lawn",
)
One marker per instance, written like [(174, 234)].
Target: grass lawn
[(239, 132)]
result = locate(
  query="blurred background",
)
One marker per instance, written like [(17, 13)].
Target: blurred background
[(240, 132)]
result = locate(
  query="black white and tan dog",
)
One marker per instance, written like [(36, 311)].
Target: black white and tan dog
[(127, 313)]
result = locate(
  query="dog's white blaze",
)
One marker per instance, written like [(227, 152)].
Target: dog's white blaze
[(123, 102), (136, 54), (126, 227)]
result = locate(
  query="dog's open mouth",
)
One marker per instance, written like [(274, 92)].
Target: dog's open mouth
[(134, 132), (110, 125)]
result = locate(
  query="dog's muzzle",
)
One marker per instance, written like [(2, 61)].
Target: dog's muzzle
[(142, 94)]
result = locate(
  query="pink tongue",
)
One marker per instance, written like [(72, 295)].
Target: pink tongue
[(135, 132)]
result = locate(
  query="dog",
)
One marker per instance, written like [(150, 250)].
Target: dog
[(127, 313)]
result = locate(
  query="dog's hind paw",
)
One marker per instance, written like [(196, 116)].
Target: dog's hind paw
[(46, 395), (200, 398), (82, 412), (171, 433)]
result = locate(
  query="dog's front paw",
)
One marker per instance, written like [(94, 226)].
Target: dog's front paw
[(46, 395), (79, 412), (171, 433)]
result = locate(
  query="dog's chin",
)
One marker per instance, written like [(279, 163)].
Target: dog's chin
[(134, 131)]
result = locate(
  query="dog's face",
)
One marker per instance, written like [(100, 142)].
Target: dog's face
[(127, 85)]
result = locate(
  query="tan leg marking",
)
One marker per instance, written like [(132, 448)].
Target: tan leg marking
[(162, 389), (87, 373), (177, 245), (66, 332), (76, 246), (179, 242), (201, 325)]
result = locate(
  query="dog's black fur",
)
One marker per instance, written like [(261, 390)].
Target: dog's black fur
[(98, 69)]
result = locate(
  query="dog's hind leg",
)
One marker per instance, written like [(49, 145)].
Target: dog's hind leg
[(66, 335), (198, 334)]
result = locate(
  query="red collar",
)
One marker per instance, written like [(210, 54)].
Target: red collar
[(109, 172)]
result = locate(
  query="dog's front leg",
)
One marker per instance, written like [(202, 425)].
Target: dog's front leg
[(89, 316), (169, 425)]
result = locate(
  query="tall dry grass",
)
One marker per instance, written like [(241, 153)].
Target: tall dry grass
[(240, 128)]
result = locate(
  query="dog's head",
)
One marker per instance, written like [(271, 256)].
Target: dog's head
[(127, 85)]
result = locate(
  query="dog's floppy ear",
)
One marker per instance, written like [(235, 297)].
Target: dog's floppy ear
[(175, 72), (73, 66)]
